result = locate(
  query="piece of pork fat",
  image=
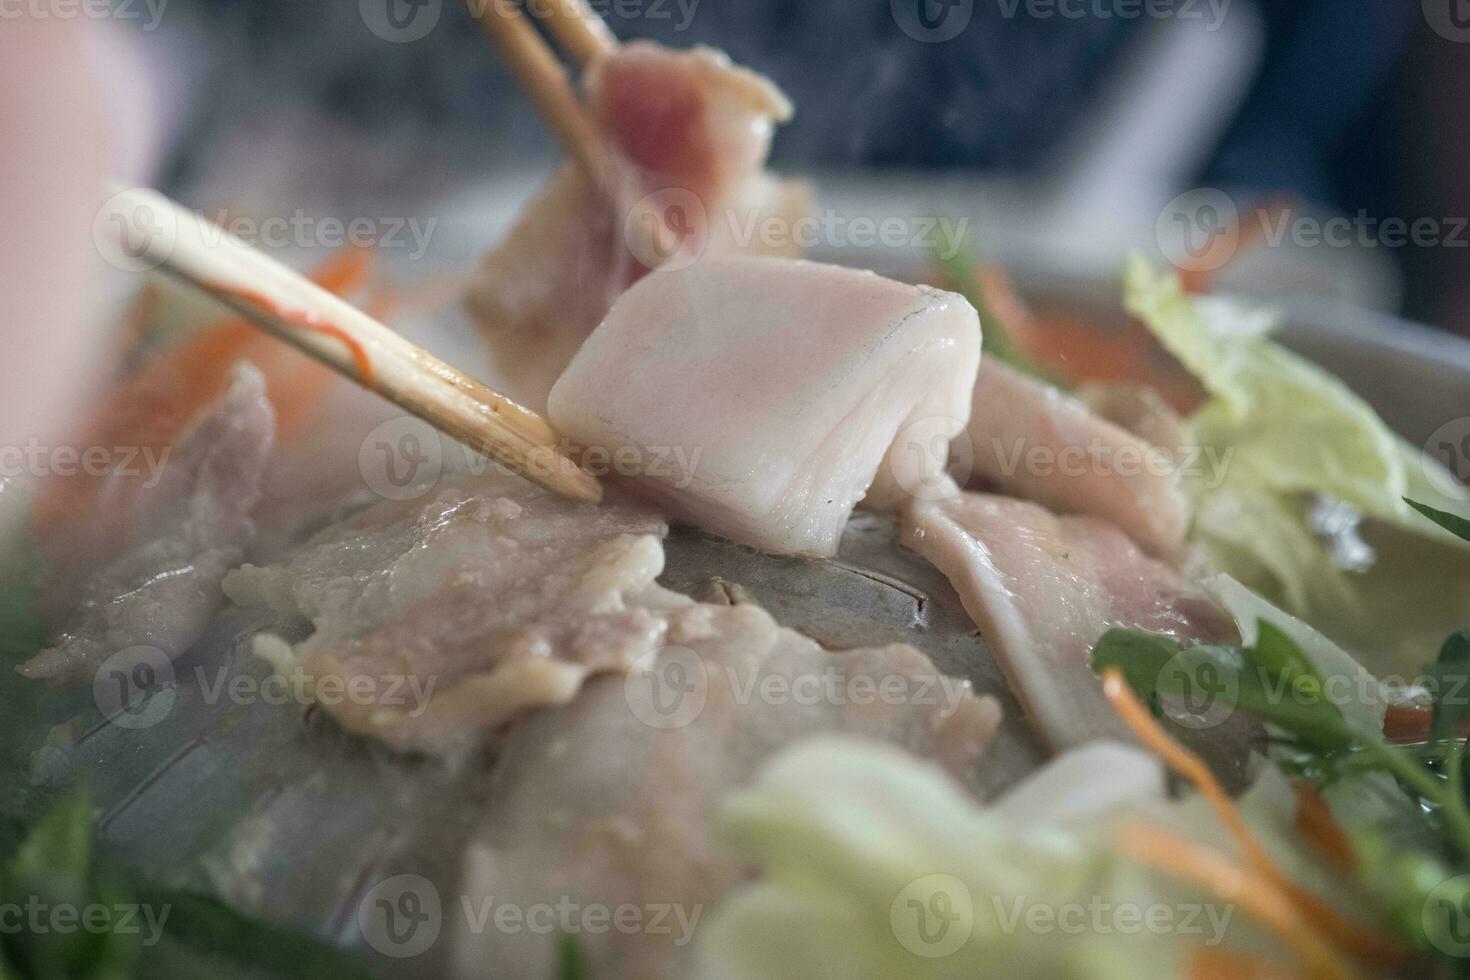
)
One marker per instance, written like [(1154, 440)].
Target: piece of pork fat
[(608, 802), (449, 614), (1043, 589), (188, 531), (1037, 442), (758, 398), (686, 127)]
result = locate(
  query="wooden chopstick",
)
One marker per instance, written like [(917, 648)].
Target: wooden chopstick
[(577, 28), (323, 326), (544, 79)]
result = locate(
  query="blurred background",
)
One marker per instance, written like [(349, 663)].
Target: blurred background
[(1081, 111), (1331, 133)]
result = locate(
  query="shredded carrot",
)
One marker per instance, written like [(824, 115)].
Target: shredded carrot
[(1358, 939), (1219, 963), (147, 410), (1248, 888), (1319, 828)]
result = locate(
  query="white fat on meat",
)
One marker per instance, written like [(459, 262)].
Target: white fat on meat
[(163, 587), (1043, 589), (687, 135), (761, 396), (610, 802), (1035, 441), (452, 613)]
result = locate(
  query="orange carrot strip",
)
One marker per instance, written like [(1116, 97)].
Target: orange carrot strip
[(1251, 890), (1218, 963), (1358, 939), (1318, 827)]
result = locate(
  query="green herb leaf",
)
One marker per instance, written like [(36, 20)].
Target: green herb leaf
[(959, 268), (1453, 523), (1449, 679), (571, 959), (207, 925), (1273, 680)]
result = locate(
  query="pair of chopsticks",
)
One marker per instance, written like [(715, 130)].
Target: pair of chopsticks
[(354, 344), (585, 38)]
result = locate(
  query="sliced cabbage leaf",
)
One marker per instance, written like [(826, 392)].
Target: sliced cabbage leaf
[(873, 865), (1290, 433)]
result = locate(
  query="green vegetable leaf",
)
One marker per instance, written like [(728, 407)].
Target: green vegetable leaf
[(22, 631), (207, 925), (959, 268), (571, 959), (1273, 680), (1453, 523), (1449, 678)]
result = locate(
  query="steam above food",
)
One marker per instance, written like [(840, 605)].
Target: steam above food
[(784, 383)]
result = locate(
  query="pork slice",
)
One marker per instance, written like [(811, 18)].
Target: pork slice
[(687, 136), (763, 395), (1035, 441), (435, 622), (609, 802), (1043, 589), (188, 531)]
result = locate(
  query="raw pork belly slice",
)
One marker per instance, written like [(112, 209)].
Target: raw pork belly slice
[(610, 801), (761, 395), (1043, 589), (682, 126), (453, 613), (1034, 441), (188, 532)]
